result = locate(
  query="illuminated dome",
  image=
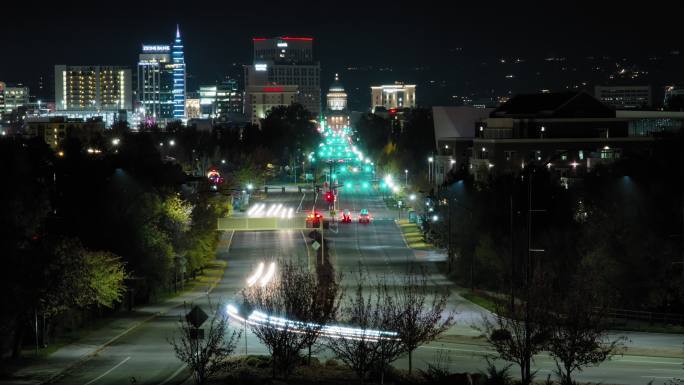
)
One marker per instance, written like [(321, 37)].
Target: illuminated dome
[(336, 86), (337, 98)]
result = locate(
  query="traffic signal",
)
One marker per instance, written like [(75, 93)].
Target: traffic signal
[(329, 197)]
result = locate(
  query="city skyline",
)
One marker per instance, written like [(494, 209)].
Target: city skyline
[(452, 45)]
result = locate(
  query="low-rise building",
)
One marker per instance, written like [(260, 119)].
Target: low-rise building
[(393, 96), (54, 129), (624, 97), (261, 99), (569, 131), (454, 133)]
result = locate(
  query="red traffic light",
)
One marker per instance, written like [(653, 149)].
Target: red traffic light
[(329, 197)]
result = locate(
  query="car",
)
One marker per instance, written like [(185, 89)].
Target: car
[(314, 219), (364, 216), (346, 216)]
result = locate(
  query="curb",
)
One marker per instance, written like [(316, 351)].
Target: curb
[(86, 357)]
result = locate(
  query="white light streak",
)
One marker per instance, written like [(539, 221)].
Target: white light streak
[(269, 275), (331, 331), (254, 277)]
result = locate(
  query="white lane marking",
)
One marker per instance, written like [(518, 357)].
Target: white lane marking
[(456, 349), (109, 371), (299, 208), (648, 362), (169, 378), (659, 378)]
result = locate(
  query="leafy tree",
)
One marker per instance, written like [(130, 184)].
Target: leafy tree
[(520, 330), (287, 130), (106, 275), (178, 213), (206, 356), (579, 329), (374, 131)]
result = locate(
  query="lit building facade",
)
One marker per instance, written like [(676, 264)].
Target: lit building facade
[(569, 132), (14, 97), (288, 62), (263, 98), (2, 97), (155, 82), (336, 114), (179, 77), (55, 129), (192, 106), (229, 99), (92, 91), (393, 96), (624, 97)]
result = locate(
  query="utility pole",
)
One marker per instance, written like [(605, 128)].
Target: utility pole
[(512, 256)]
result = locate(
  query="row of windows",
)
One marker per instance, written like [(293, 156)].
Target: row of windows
[(564, 155)]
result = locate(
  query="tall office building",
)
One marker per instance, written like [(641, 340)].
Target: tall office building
[(85, 91), (178, 77), (282, 63), (229, 98), (2, 97), (155, 82), (220, 101), (393, 96)]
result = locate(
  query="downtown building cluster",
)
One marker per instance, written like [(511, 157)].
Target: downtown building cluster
[(154, 92)]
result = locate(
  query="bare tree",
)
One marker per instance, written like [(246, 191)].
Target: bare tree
[(369, 313), (519, 329), (323, 308), (579, 329), (293, 308), (421, 312), (208, 355)]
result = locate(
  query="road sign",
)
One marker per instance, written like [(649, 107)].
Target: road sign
[(196, 334), (196, 316), (315, 245)]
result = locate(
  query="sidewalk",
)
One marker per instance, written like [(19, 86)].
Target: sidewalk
[(44, 369), (413, 238)]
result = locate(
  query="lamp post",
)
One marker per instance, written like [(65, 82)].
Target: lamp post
[(430, 172), (472, 258), (405, 177)]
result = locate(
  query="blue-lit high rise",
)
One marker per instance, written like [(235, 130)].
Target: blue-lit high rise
[(178, 77)]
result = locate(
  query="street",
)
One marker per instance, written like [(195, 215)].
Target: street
[(146, 355)]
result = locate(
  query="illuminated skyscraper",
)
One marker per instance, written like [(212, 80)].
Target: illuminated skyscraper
[(155, 82), (178, 77)]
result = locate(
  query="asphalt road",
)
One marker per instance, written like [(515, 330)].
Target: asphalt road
[(146, 355)]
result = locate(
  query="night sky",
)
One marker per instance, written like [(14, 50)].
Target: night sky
[(453, 48)]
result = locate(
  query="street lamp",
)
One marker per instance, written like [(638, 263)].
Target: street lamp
[(406, 177), (116, 141), (249, 186), (412, 197), (172, 142), (430, 160)]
